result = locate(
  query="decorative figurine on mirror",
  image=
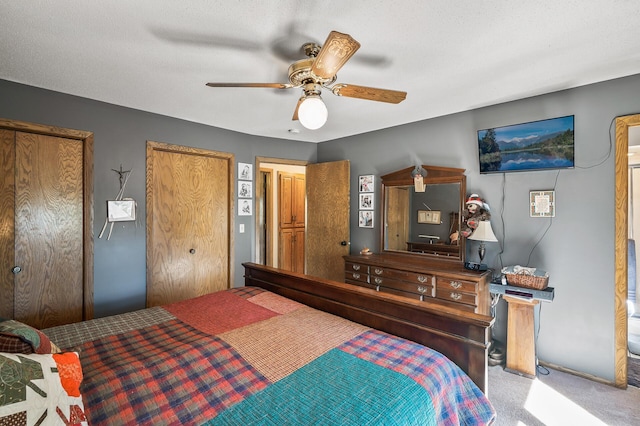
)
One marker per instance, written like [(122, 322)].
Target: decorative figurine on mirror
[(475, 211)]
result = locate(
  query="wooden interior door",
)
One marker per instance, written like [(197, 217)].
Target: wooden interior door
[(291, 222), (46, 243), (397, 218), (189, 222), (327, 238)]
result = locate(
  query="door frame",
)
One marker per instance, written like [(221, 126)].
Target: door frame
[(259, 194), (86, 138), (621, 245)]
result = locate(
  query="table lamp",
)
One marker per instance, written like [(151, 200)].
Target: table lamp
[(483, 233)]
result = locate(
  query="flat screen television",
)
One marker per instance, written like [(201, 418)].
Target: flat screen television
[(537, 145)]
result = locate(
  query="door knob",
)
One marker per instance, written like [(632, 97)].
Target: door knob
[(16, 269), (343, 243), (192, 251)]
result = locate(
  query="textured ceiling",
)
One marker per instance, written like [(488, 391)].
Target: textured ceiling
[(450, 56)]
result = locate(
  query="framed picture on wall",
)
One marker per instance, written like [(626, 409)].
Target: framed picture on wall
[(366, 201), (429, 216), (244, 207), (245, 189), (121, 210), (365, 219), (245, 171), (366, 183)]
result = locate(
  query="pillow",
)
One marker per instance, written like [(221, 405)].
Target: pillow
[(16, 337), (41, 389)]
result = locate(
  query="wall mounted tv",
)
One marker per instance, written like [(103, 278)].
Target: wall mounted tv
[(537, 145)]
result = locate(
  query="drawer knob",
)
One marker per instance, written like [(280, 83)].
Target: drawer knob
[(356, 267), (378, 271), (422, 289), (356, 276), (455, 284), (456, 296), (377, 280), (422, 278)]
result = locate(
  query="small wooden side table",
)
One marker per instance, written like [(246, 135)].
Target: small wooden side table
[(521, 350)]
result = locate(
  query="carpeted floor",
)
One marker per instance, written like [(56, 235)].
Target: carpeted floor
[(560, 399), (633, 371)]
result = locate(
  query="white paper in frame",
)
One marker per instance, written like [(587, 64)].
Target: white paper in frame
[(121, 210)]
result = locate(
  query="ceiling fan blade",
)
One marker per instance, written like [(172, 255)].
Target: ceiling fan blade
[(295, 113), (335, 52), (267, 85), (369, 93)]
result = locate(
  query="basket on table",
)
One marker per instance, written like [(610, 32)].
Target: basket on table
[(521, 276)]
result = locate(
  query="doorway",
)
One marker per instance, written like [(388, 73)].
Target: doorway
[(623, 126), (633, 264), (326, 222)]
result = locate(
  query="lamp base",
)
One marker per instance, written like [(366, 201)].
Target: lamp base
[(473, 266)]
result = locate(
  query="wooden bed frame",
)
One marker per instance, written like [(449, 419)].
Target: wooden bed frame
[(462, 336)]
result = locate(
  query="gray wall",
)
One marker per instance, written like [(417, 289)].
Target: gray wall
[(576, 330), (120, 136)]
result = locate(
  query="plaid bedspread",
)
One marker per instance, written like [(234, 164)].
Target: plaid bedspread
[(247, 356)]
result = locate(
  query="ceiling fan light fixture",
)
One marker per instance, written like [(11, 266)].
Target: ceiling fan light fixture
[(312, 112)]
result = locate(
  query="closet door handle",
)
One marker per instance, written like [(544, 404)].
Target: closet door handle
[(16, 269)]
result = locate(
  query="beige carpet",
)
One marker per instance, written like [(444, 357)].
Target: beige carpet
[(560, 399), (633, 370)]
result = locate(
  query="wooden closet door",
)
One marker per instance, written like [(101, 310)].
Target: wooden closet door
[(46, 224), (48, 230), (189, 222)]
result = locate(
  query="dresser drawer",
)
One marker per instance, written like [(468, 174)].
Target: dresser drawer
[(457, 296), (397, 274), (356, 276), (397, 292), (360, 284), (418, 289), (356, 267), (456, 285)]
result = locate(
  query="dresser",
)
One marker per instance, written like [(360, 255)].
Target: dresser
[(430, 280)]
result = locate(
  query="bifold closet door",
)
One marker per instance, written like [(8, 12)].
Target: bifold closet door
[(189, 222)]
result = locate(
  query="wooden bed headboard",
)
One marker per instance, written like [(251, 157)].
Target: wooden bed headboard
[(462, 336)]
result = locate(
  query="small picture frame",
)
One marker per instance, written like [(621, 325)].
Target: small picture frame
[(245, 189), (366, 201), (429, 216), (245, 171), (365, 218), (366, 183), (542, 203), (245, 207), (121, 210)]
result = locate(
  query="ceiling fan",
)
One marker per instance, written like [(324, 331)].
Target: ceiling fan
[(319, 71)]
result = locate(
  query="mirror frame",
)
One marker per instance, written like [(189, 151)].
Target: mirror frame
[(435, 175)]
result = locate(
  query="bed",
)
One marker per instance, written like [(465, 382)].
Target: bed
[(281, 350)]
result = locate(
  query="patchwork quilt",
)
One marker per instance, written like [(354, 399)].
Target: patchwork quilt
[(246, 356)]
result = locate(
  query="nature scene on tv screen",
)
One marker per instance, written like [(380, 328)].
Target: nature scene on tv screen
[(545, 144)]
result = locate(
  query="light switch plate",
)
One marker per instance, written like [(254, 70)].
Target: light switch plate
[(242, 228)]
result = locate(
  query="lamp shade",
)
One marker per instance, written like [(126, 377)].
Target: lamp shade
[(483, 232), (312, 112)]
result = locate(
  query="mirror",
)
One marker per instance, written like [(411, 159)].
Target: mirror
[(421, 223)]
